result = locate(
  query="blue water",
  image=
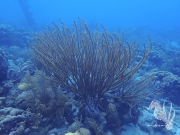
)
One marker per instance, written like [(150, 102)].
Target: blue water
[(116, 13)]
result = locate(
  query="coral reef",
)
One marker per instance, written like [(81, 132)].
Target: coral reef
[(33, 103), (43, 97), (170, 85), (11, 118), (13, 36), (3, 66), (113, 119)]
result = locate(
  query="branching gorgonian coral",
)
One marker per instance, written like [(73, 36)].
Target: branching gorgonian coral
[(89, 63)]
